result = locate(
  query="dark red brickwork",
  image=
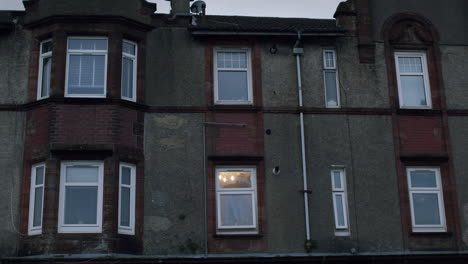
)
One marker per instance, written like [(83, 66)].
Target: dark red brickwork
[(236, 140), (421, 135)]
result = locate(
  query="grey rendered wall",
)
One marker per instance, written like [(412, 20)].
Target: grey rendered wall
[(454, 69), (175, 73), (174, 197), (449, 16), (11, 156)]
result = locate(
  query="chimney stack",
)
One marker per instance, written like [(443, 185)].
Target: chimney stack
[(180, 6)]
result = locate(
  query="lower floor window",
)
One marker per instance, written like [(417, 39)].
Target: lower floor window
[(127, 199), (426, 199), (340, 200), (81, 193), (36, 200), (236, 200)]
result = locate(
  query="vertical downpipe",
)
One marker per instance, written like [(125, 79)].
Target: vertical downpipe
[(298, 51)]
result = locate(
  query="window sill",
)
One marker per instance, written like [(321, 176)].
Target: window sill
[(419, 111), (235, 108), (435, 234)]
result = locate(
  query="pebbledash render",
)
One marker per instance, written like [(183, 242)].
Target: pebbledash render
[(134, 137)]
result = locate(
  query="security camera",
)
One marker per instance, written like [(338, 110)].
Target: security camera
[(198, 7)]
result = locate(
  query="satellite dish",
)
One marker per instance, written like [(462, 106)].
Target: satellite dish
[(198, 7)]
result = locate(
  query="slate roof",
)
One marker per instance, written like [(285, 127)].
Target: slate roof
[(265, 24)]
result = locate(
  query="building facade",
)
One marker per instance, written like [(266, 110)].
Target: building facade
[(136, 137)]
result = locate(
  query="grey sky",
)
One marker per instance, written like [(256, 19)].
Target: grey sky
[(11, 5), (273, 8)]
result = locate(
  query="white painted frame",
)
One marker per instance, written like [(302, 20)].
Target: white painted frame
[(35, 230), (86, 52), (427, 190), (246, 229), (81, 228), (334, 69), (425, 74), (340, 191), (134, 58), (128, 230), (249, 76), (42, 57)]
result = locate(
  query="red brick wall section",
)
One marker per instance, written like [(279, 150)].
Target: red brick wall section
[(421, 134)]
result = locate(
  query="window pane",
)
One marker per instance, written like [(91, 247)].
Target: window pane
[(330, 87), (340, 218), (81, 205), (423, 178), (127, 77), (87, 44), (232, 59), (236, 210), (235, 179), (128, 48), (410, 64), (46, 47), (37, 218), (329, 60), (232, 85), (337, 180), (125, 206), (86, 74), (46, 68), (82, 174), (126, 175), (39, 175), (426, 209), (413, 91)]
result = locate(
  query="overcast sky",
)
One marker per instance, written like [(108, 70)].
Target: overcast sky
[(274, 8)]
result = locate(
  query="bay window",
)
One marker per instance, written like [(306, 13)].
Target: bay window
[(45, 67), (36, 199), (127, 199)]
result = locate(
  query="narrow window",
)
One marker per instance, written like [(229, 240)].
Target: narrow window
[(80, 205), (340, 200), (413, 81), (129, 70), (86, 67), (233, 84), (127, 199), (36, 200), (236, 199), (45, 66), (426, 199), (330, 79)]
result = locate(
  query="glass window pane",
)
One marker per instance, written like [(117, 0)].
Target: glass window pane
[(423, 178), (413, 91), (126, 171), (125, 206), (46, 47), (340, 210), (37, 217), (410, 64), (39, 175), (232, 85), (82, 174), (81, 205), (220, 60), (235, 179), (337, 179), (127, 77), (232, 59), (46, 69), (87, 44), (236, 210), (128, 48), (426, 209), (330, 87), (86, 74), (329, 60)]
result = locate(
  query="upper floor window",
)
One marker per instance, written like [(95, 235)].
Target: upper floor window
[(129, 70), (86, 67), (81, 194), (45, 66), (413, 80), (426, 200), (232, 76), (236, 199), (330, 78), (36, 199)]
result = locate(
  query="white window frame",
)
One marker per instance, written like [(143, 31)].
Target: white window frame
[(340, 191), (334, 69), (80, 228), (249, 100), (247, 229), (134, 58), (86, 52), (427, 190), (425, 74), (128, 230), (42, 57), (35, 230)]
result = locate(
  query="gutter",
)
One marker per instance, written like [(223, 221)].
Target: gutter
[(264, 33)]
